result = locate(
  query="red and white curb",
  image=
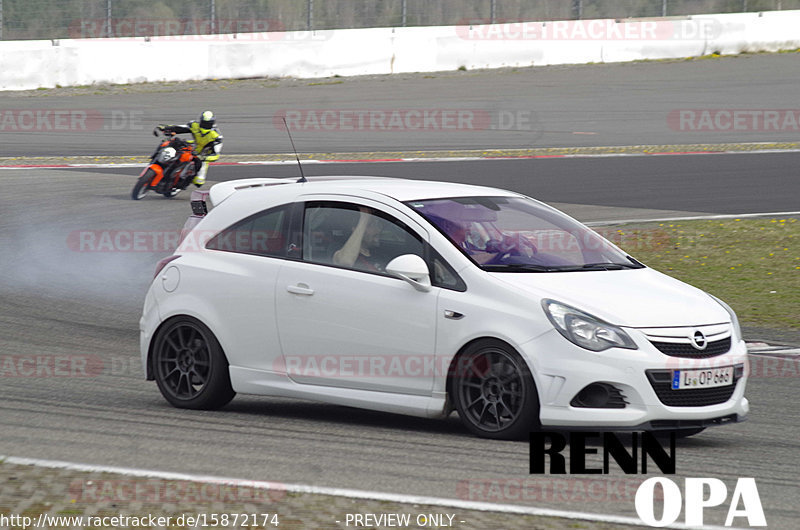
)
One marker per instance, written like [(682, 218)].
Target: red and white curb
[(415, 159)]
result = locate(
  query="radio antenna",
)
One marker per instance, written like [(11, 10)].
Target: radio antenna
[(302, 176)]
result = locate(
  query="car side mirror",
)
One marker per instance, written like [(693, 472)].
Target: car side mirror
[(412, 269)]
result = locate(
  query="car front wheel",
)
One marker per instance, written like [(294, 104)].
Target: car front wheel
[(494, 391), (190, 367)]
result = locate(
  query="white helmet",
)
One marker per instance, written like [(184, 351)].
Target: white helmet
[(207, 120)]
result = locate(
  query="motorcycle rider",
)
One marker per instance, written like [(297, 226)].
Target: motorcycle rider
[(207, 142)]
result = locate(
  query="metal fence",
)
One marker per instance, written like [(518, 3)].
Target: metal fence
[(57, 19)]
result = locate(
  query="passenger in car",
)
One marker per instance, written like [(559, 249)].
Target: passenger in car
[(357, 251)]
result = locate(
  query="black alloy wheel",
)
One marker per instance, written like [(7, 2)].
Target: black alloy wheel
[(494, 391), (189, 366)]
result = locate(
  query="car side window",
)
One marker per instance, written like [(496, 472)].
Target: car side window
[(353, 237), (442, 274), (262, 234)]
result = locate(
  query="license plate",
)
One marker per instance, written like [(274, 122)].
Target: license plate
[(707, 378)]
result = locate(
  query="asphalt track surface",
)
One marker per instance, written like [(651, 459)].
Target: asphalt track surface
[(713, 183), (590, 105), (57, 300)]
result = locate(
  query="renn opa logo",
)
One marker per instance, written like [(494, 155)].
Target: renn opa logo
[(698, 495)]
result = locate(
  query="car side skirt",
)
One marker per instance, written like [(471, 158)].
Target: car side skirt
[(259, 382)]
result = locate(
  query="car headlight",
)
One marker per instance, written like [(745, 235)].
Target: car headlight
[(585, 330), (737, 331)]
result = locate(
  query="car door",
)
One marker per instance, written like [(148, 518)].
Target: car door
[(350, 324)]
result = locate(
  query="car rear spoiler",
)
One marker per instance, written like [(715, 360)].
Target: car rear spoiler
[(223, 190)]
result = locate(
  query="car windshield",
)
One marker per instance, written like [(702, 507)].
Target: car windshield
[(515, 234)]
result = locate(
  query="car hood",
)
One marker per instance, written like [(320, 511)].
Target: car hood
[(636, 298)]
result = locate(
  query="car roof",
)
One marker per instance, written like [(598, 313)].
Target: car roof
[(397, 188)]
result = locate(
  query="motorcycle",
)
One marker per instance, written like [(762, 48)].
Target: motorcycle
[(172, 168)]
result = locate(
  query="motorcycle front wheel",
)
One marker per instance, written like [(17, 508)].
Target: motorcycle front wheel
[(142, 185)]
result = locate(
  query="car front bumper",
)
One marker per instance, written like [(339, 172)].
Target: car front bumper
[(561, 370)]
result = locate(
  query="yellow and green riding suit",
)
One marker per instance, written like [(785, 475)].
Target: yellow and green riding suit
[(207, 146)]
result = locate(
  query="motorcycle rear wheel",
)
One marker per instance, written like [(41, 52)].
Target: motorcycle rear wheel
[(142, 185)]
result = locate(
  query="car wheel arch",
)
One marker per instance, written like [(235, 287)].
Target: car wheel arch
[(465, 347), (506, 378), (150, 376)]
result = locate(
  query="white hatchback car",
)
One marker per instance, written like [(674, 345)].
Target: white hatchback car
[(419, 298)]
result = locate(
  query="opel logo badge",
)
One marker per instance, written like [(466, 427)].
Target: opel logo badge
[(699, 340)]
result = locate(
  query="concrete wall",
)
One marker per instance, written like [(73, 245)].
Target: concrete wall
[(346, 52)]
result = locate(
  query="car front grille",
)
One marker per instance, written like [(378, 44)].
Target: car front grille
[(661, 381), (675, 349)]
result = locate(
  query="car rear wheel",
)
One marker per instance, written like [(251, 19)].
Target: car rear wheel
[(494, 391), (190, 367)]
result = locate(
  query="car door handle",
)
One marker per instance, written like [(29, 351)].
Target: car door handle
[(300, 288)]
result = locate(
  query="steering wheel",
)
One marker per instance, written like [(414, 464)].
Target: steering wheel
[(500, 250), (504, 249)]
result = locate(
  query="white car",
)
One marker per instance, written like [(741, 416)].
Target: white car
[(421, 298)]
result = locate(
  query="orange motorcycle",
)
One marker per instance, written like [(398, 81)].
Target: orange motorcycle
[(172, 168)]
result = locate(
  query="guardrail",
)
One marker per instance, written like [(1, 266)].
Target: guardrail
[(346, 52)]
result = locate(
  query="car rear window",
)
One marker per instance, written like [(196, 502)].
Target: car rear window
[(262, 234)]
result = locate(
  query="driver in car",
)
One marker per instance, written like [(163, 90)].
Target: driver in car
[(357, 252), (459, 233)]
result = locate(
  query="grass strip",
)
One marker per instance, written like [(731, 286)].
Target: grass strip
[(752, 264)]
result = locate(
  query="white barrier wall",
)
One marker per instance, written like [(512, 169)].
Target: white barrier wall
[(34, 64)]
